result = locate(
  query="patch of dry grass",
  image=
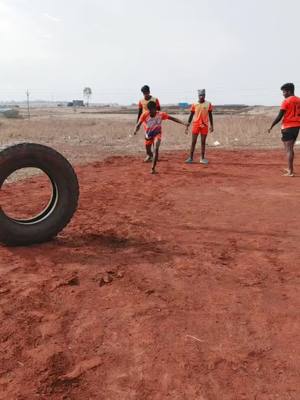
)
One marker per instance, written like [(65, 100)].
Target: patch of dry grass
[(87, 138)]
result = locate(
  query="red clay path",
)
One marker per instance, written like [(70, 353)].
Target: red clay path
[(180, 286)]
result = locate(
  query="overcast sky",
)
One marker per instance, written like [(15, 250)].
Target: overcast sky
[(241, 52)]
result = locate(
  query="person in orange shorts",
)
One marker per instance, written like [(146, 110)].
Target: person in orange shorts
[(143, 107), (152, 121), (290, 115), (201, 112)]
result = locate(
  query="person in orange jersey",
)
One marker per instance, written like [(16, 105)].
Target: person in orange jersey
[(201, 112), (143, 107), (289, 114), (152, 120)]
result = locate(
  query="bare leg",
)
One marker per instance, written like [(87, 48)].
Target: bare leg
[(193, 145), (155, 158), (149, 152), (203, 143), (289, 148)]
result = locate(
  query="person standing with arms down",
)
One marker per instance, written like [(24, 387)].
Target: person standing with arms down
[(201, 112), (143, 107), (290, 115)]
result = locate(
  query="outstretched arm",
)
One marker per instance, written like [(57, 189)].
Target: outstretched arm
[(277, 119), (177, 120)]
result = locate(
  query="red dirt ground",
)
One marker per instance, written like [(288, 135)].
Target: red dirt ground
[(180, 286)]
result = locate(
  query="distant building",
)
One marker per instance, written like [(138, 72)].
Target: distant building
[(9, 112), (183, 105), (76, 103)]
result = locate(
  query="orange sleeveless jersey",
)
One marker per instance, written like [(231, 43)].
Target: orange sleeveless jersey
[(201, 111), (143, 104)]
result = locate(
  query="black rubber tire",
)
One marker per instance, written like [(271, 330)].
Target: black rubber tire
[(62, 205)]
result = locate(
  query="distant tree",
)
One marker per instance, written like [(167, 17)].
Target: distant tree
[(87, 92)]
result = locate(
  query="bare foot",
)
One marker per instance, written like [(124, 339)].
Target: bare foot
[(288, 174)]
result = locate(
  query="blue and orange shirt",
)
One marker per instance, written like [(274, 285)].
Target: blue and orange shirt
[(152, 125)]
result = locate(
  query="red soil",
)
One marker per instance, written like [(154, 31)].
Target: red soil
[(183, 285)]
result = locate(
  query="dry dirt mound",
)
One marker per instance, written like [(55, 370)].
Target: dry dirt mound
[(183, 285)]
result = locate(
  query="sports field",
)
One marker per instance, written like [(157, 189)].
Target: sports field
[(180, 286)]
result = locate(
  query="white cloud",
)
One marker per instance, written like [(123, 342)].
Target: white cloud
[(47, 36), (51, 17)]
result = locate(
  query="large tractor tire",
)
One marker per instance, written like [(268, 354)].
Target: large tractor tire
[(64, 199)]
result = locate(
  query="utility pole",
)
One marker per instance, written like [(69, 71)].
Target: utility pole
[(28, 109)]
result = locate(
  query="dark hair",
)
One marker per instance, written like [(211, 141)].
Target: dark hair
[(151, 104), (146, 89), (288, 87)]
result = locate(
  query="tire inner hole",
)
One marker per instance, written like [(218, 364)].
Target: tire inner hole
[(27, 195)]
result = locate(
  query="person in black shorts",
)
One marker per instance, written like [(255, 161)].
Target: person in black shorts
[(290, 115)]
